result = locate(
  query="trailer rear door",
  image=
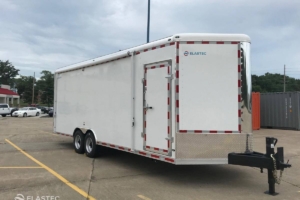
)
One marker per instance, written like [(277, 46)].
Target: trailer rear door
[(208, 82)]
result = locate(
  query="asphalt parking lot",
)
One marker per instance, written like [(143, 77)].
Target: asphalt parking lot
[(34, 162)]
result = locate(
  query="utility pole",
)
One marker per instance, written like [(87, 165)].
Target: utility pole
[(148, 23), (33, 88), (284, 79)]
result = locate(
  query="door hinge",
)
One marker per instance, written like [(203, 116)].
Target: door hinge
[(170, 139), (169, 76), (142, 134)]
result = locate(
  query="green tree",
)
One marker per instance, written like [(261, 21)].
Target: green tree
[(45, 87), (7, 73), (274, 83), (24, 85)]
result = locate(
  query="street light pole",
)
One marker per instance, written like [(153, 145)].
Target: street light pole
[(33, 88), (148, 22)]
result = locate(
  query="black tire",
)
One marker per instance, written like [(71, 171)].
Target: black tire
[(25, 115), (90, 145), (37, 114), (78, 142), (3, 115)]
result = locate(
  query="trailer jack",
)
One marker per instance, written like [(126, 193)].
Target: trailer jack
[(270, 161)]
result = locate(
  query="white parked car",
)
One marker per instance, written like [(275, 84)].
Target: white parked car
[(27, 111), (4, 109)]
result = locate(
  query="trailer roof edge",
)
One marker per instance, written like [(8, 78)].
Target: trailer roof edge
[(175, 37)]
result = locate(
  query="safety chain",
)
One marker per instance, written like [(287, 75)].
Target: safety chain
[(277, 180)]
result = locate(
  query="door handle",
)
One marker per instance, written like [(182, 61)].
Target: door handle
[(148, 107)]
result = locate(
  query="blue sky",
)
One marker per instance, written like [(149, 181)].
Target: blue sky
[(41, 35)]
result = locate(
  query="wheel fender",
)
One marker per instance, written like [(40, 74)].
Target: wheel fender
[(93, 132), (85, 130)]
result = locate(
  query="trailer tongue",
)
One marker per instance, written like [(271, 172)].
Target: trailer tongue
[(271, 161)]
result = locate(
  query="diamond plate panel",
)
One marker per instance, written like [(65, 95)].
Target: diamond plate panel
[(191, 146)]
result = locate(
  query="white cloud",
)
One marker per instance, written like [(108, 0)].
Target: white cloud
[(37, 35)]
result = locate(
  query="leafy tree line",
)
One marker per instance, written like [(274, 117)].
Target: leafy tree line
[(43, 89), (274, 83)]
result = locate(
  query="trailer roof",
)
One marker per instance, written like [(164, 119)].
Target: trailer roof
[(176, 37)]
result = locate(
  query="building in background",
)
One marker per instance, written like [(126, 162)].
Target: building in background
[(8, 96)]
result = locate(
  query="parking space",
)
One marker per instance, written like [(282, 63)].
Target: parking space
[(35, 162)]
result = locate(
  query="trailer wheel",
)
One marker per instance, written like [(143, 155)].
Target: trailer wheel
[(78, 142), (90, 145)]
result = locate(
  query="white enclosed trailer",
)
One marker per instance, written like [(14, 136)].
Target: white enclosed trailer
[(184, 99)]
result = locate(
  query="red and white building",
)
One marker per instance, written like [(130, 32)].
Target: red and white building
[(8, 96)]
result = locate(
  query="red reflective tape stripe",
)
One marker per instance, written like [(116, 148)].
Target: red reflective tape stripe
[(190, 42), (228, 131), (122, 148), (161, 66), (177, 45), (153, 67), (142, 153), (104, 143), (239, 53), (234, 42), (169, 159), (168, 115), (213, 131), (157, 149), (148, 147), (240, 113), (205, 42), (239, 83), (153, 48), (154, 156), (168, 69), (197, 131), (177, 74), (145, 50), (112, 145), (168, 101), (136, 53), (177, 118), (177, 59), (145, 70), (220, 42), (164, 150), (239, 68), (240, 127), (177, 103), (172, 43), (177, 88), (182, 131), (162, 46), (239, 98)]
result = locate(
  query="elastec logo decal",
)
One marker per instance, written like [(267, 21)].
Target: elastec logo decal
[(195, 53)]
